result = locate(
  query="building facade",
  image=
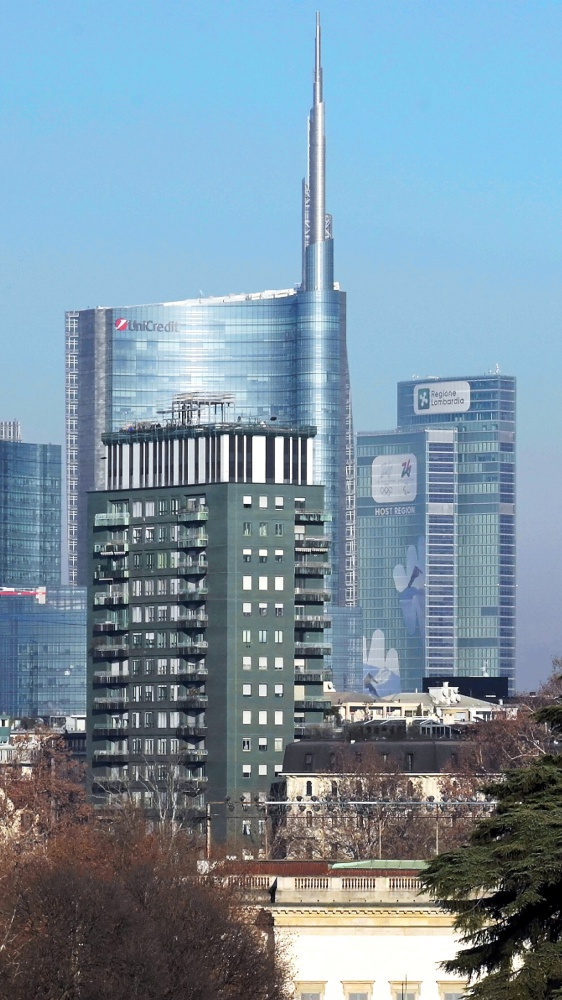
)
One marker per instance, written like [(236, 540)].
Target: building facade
[(281, 354), (207, 569), (43, 652), (436, 535), (30, 511)]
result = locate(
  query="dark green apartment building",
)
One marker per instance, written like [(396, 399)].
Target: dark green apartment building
[(206, 616)]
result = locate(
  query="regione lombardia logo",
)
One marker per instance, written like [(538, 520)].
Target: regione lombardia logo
[(423, 399), (121, 324)]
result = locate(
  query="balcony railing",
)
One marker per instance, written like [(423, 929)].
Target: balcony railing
[(191, 732), (192, 541), (119, 756), (192, 756), (110, 679), (312, 622), (311, 517), (101, 729), (312, 568), (190, 620), (192, 567), (187, 645), (116, 571), (311, 649), (102, 650), (197, 514), (112, 549), (115, 701), (313, 543), (192, 700), (311, 705), (310, 676), (303, 596), (107, 600), (192, 672), (108, 520), (110, 627)]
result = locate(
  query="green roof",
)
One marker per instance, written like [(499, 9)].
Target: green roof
[(381, 864)]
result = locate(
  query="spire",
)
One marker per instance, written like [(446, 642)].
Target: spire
[(316, 224)]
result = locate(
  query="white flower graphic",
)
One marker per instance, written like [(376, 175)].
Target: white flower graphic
[(409, 581), (381, 668)]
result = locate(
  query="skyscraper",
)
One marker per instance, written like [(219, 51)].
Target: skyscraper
[(30, 511), (436, 534), (281, 354)]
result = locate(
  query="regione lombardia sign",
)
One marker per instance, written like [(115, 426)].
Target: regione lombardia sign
[(442, 397), (395, 478)]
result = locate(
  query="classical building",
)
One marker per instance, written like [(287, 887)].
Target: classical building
[(436, 535), (207, 596), (281, 354)]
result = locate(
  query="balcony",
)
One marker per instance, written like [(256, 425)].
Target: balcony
[(187, 645), (191, 732), (112, 756), (110, 627), (191, 756), (192, 567), (193, 541), (314, 543), (115, 702), (102, 650), (118, 732), (115, 571), (192, 673), (312, 568), (312, 622), (311, 649), (195, 594), (197, 514), (110, 679), (306, 705), (111, 520), (311, 596), (311, 676), (109, 600), (190, 620), (193, 700), (311, 517), (112, 549)]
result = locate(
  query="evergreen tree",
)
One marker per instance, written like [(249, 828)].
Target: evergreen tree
[(505, 889)]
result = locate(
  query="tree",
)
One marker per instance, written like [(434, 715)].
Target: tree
[(505, 889), (100, 914)]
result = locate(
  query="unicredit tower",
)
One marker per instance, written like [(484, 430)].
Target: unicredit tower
[(281, 354)]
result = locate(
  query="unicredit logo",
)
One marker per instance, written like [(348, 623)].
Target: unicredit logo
[(146, 326)]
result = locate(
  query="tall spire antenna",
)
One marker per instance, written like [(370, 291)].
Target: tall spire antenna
[(318, 62), (317, 226)]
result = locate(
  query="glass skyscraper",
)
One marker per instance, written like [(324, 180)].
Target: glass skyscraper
[(30, 513), (43, 652), (281, 354), (436, 535)]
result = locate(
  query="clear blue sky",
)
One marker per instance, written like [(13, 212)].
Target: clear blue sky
[(151, 150)]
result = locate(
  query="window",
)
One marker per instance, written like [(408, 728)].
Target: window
[(148, 720), (278, 718), (246, 608), (405, 990), (162, 506), (246, 663), (174, 746), (247, 501), (246, 555), (136, 587), (279, 503), (149, 533), (262, 662), (246, 770), (278, 690), (162, 692), (246, 744), (246, 718), (262, 555), (135, 720), (150, 613), (136, 615), (262, 718), (162, 613), (278, 555), (263, 502), (247, 690), (309, 991), (262, 743), (161, 586), (174, 665), (278, 744), (136, 536), (246, 583), (162, 666), (278, 610), (149, 587), (136, 746), (279, 635), (308, 786), (262, 531), (357, 991), (149, 508), (137, 561), (278, 663), (149, 746), (262, 690), (137, 508), (262, 583), (451, 990), (162, 747), (278, 769), (163, 533), (262, 609), (149, 639), (247, 528), (262, 770), (246, 635), (279, 583), (278, 529), (148, 692), (262, 635)]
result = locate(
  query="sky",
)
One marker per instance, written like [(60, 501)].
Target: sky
[(153, 151)]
